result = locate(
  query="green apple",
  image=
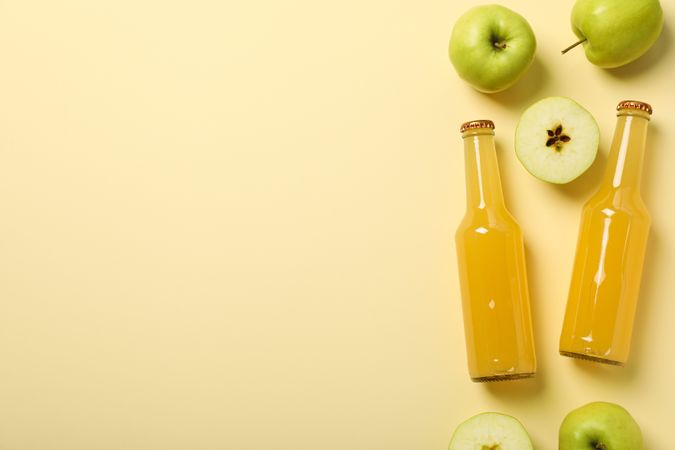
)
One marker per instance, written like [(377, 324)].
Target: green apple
[(616, 32), (600, 426), (491, 47), (556, 139), (490, 431)]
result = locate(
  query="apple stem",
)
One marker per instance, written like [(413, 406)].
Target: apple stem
[(573, 45), (500, 45)]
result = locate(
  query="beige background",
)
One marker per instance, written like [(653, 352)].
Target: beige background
[(229, 225)]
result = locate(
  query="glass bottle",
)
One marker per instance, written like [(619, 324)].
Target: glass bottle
[(491, 261), (610, 252)]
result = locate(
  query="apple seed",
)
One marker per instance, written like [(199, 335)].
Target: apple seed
[(556, 138)]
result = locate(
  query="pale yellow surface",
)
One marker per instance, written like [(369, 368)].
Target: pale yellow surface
[(229, 225)]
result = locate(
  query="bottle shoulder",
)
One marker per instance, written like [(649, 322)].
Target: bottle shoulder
[(609, 202), (482, 221), (618, 205)]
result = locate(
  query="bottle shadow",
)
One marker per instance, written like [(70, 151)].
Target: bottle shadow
[(650, 185), (649, 59), (504, 175), (582, 187), (519, 391), (588, 182), (615, 375), (654, 256)]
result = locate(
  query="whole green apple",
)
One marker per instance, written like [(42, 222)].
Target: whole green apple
[(616, 32), (491, 47), (600, 426)]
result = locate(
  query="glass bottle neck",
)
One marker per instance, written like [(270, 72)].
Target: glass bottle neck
[(483, 185), (624, 168)]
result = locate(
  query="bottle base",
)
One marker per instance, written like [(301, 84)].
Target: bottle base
[(591, 358), (505, 377)]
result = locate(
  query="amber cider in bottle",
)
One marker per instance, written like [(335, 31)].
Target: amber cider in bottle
[(610, 251), (491, 261)]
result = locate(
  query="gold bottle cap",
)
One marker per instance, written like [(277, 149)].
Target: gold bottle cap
[(634, 104), (475, 124)]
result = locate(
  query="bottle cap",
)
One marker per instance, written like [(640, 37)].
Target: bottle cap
[(475, 124), (634, 104)]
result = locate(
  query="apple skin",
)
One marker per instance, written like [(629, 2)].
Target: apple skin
[(616, 31), (600, 422), (475, 50)]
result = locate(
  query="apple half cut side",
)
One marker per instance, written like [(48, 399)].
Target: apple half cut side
[(491, 431), (557, 139)]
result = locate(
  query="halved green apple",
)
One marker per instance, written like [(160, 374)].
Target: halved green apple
[(491, 431), (557, 139)]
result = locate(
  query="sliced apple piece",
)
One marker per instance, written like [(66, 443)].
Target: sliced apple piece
[(491, 431), (557, 139)]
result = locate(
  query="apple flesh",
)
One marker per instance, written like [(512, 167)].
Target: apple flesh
[(616, 32), (556, 139), (491, 47), (600, 426), (490, 431)]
